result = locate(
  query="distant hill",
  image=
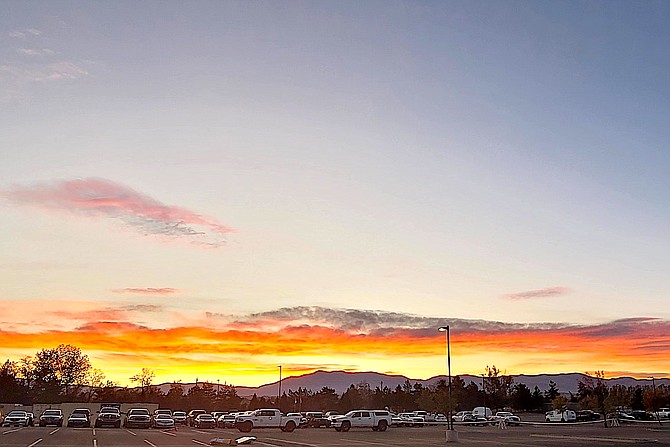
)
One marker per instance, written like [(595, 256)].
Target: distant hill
[(341, 380)]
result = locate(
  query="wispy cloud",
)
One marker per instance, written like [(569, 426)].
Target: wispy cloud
[(24, 33), (106, 314), (34, 62), (147, 290), (93, 197), (540, 293), (37, 51)]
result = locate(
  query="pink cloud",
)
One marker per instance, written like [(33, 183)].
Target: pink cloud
[(94, 197), (147, 290), (540, 293)]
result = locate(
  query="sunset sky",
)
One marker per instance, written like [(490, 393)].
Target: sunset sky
[(211, 189)]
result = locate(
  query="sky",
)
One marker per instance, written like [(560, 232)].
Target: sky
[(211, 189)]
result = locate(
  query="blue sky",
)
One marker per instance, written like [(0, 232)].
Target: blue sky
[(504, 161)]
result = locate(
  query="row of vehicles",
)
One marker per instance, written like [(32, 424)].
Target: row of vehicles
[(108, 416), (484, 416)]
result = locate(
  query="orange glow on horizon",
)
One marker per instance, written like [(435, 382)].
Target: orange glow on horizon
[(248, 354)]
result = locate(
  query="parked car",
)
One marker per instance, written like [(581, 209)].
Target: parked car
[(663, 413), (587, 415), (560, 416), (80, 417), (163, 411), (484, 412), (411, 420), (51, 417), (317, 419), (137, 418), (266, 418), (508, 417), (302, 419), (463, 416), (621, 416), (227, 420), (162, 421), (109, 416), (16, 418), (377, 420), (642, 415), (331, 414), (204, 420), (190, 418), (179, 417), (396, 420)]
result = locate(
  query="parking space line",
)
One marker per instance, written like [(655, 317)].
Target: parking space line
[(267, 443), (35, 443), (54, 431), (594, 438), (132, 433), (497, 442), (150, 443), (291, 442), (198, 442), (11, 431), (355, 441), (168, 433)]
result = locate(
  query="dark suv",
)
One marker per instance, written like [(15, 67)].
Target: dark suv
[(138, 417), (51, 417), (109, 416)]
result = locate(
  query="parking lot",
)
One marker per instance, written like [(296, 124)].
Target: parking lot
[(529, 435)]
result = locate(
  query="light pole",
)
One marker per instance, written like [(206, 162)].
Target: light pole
[(452, 436), (279, 392), (653, 384)]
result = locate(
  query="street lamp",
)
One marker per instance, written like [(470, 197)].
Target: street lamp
[(279, 392), (452, 436), (655, 405)]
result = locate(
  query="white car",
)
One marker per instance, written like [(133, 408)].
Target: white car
[(16, 418), (560, 416), (411, 420)]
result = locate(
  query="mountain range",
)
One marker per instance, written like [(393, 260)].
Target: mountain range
[(341, 380)]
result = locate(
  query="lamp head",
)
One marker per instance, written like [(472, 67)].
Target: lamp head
[(443, 328)]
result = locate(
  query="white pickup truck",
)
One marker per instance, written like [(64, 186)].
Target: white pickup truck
[(377, 420), (266, 418)]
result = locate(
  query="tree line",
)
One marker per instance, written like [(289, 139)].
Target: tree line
[(65, 374)]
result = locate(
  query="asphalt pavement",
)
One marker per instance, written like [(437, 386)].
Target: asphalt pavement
[(527, 435)]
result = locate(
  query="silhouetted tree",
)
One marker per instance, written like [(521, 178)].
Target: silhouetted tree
[(552, 392), (144, 379), (497, 387), (522, 398), (11, 386)]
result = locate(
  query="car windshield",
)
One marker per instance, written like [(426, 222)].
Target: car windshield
[(17, 413), (51, 412)]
